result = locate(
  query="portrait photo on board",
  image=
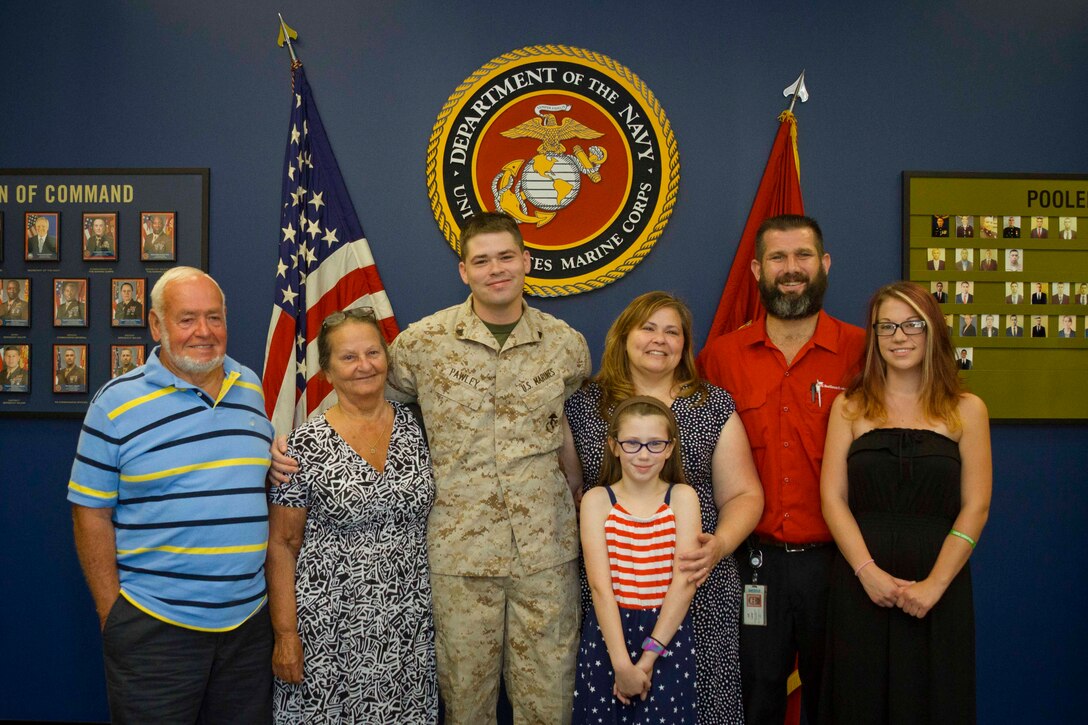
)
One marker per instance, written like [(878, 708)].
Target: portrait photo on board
[(42, 233), (69, 368), (15, 377), (157, 231), (15, 302), (69, 302), (127, 302), (125, 359), (99, 237)]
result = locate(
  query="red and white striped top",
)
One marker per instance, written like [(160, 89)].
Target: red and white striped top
[(640, 555)]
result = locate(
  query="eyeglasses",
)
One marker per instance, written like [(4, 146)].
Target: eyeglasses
[(355, 313), (632, 446), (910, 327)]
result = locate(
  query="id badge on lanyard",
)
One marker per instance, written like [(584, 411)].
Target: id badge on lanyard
[(754, 601)]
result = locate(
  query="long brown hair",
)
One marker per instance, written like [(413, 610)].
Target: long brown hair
[(614, 377), (941, 386), (642, 405)]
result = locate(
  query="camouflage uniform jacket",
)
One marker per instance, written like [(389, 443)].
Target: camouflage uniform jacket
[(494, 424)]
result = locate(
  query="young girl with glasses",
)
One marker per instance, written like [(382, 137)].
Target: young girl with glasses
[(636, 661)]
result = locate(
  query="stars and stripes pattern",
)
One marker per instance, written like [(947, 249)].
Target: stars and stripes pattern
[(640, 556), (640, 552), (324, 265)]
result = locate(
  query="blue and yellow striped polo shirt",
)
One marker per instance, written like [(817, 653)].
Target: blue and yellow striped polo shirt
[(184, 475)]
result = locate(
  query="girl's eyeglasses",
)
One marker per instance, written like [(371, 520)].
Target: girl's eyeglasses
[(632, 446)]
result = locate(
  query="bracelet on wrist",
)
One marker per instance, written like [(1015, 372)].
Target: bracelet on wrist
[(963, 536), (862, 565), (652, 645)]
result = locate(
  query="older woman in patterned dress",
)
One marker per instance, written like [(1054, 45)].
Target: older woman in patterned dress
[(648, 351), (347, 556)]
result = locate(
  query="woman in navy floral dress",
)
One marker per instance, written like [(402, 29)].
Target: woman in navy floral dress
[(648, 351)]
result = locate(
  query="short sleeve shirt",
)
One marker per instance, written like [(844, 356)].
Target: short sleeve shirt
[(185, 477), (785, 409)]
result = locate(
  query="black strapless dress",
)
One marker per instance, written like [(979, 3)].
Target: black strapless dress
[(884, 666)]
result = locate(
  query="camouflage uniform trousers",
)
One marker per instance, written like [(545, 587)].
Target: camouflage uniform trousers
[(525, 624)]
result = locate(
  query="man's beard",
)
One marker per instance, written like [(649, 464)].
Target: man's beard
[(788, 306), (188, 364)]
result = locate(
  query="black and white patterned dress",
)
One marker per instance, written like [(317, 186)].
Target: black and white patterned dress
[(361, 582), (715, 610)]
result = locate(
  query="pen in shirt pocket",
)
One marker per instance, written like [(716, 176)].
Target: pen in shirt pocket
[(817, 391)]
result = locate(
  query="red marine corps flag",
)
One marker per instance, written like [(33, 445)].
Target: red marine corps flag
[(779, 193), (324, 265)]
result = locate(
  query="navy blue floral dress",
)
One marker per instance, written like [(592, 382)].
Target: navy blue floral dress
[(715, 611)]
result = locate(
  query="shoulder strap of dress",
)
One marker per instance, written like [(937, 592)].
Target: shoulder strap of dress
[(668, 494), (611, 495)]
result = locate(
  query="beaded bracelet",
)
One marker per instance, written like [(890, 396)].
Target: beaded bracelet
[(861, 566), (963, 536), (652, 645)]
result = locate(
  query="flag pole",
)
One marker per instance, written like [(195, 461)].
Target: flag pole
[(286, 33), (334, 271), (779, 192), (796, 86)]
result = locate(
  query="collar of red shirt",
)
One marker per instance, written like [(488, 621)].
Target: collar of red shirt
[(826, 334)]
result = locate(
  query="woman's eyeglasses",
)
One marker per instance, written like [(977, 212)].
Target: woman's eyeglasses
[(632, 446), (910, 327), (356, 313)]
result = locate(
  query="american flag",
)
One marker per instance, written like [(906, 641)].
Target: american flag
[(325, 265)]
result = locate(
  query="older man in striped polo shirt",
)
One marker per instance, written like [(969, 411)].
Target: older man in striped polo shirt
[(171, 526)]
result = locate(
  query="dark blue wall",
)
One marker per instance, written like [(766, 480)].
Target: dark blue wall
[(931, 84)]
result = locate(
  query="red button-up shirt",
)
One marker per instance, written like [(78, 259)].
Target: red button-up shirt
[(785, 408)]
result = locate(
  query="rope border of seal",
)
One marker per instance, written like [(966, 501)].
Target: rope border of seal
[(652, 105)]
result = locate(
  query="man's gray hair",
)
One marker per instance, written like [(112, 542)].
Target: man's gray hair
[(178, 274)]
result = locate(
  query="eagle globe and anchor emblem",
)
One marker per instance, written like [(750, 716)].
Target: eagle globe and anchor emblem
[(551, 180), (579, 109)]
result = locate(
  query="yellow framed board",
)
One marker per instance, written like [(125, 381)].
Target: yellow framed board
[(1006, 255)]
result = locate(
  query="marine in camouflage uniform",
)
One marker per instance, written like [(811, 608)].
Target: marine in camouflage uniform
[(14, 309), (502, 536)]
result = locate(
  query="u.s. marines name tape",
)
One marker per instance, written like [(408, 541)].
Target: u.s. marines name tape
[(571, 144)]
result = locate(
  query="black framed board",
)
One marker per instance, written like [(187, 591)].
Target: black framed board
[(1006, 255), (81, 250)]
